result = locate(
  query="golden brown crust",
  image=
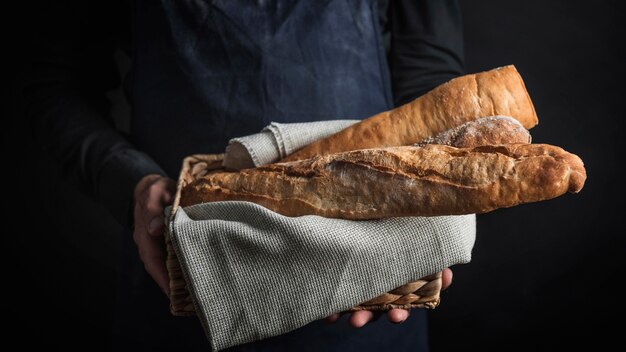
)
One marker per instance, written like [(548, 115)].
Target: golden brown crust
[(496, 92), (400, 181)]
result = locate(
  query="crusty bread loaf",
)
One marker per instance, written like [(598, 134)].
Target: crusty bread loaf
[(400, 181), (499, 91), (490, 130)]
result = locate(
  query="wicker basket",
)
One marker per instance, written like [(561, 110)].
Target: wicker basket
[(423, 293)]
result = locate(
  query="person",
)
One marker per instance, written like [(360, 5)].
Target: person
[(203, 73)]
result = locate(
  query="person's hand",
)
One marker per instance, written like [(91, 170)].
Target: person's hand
[(152, 194), (362, 317)]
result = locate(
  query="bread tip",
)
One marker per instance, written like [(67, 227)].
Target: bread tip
[(577, 181), (506, 67), (578, 175)]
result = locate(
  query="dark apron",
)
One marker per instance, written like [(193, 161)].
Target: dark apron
[(205, 72)]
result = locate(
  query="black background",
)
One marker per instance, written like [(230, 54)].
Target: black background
[(543, 276)]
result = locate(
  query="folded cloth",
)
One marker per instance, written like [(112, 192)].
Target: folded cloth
[(276, 141), (254, 273)]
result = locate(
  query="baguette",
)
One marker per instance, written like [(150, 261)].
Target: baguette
[(499, 91), (400, 181)]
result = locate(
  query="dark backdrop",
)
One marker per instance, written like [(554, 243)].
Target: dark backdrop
[(543, 276)]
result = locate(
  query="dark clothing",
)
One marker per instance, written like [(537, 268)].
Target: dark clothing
[(230, 68), (71, 66), (205, 72)]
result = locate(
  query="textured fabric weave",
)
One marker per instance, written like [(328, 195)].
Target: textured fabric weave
[(255, 273), (276, 141)]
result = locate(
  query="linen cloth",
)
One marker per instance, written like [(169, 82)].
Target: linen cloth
[(276, 141)]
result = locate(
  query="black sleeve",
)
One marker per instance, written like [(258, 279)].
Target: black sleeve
[(65, 74), (426, 47)]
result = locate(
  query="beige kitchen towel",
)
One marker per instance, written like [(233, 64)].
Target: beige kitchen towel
[(276, 141)]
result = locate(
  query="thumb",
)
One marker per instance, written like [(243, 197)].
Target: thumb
[(155, 224), (154, 214), (159, 194)]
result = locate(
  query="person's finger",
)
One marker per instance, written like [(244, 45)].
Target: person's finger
[(151, 194), (360, 318), (153, 257), (153, 213), (170, 185), (156, 226), (153, 208), (140, 227), (160, 194), (446, 278), (169, 189), (397, 315), (332, 318)]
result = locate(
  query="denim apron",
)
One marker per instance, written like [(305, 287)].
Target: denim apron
[(207, 71)]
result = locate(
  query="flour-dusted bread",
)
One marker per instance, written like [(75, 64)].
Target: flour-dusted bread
[(499, 91), (491, 130)]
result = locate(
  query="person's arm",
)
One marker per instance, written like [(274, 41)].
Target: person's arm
[(64, 79), (426, 46), (65, 75)]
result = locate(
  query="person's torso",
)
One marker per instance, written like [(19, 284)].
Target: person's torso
[(205, 72)]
